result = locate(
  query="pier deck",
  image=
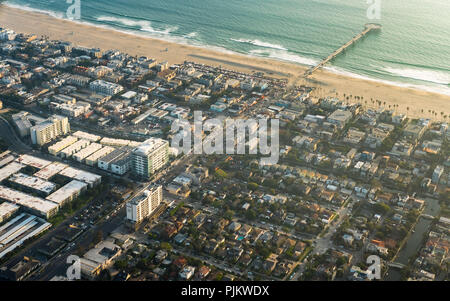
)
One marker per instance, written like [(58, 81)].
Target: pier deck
[(367, 29)]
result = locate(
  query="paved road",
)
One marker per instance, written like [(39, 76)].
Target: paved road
[(323, 243), (9, 135)]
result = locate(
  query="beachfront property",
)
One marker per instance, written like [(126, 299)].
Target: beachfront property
[(327, 169), (340, 117)]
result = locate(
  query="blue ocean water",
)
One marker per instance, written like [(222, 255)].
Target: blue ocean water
[(413, 48)]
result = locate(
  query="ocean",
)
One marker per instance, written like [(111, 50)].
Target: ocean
[(411, 50)]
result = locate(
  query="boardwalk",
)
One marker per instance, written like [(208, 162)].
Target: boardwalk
[(367, 29)]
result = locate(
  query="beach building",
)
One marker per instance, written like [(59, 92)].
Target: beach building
[(104, 87)]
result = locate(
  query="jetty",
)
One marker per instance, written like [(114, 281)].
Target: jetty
[(367, 29)]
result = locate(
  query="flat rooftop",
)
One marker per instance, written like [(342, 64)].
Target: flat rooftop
[(67, 191), (75, 147), (51, 170), (21, 228), (33, 161), (116, 155), (87, 151), (6, 160), (87, 136), (100, 153), (9, 170), (33, 182), (58, 146), (150, 145), (80, 175), (115, 142), (26, 200), (7, 209)]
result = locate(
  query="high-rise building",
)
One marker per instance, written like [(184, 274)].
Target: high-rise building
[(144, 204), (150, 156), (48, 130)]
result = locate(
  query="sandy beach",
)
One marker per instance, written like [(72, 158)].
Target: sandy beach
[(409, 101)]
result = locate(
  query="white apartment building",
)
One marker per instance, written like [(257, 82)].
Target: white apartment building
[(150, 156), (144, 204), (48, 130), (104, 87)]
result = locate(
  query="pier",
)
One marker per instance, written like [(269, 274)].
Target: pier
[(367, 29)]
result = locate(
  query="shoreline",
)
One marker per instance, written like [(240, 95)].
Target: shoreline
[(410, 101)]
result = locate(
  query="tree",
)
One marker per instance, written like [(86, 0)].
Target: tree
[(382, 208), (229, 214)]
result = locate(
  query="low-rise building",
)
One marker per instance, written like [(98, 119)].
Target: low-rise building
[(32, 184), (117, 161), (67, 193), (7, 210), (30, 203)]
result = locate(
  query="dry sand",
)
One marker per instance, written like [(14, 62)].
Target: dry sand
[(407, 100)]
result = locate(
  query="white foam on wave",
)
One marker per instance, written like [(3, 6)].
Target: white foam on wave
[(436, 77), (259, 43), (142, 24), (26, 7), (191, 35), (435, 88), (283, 56)]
